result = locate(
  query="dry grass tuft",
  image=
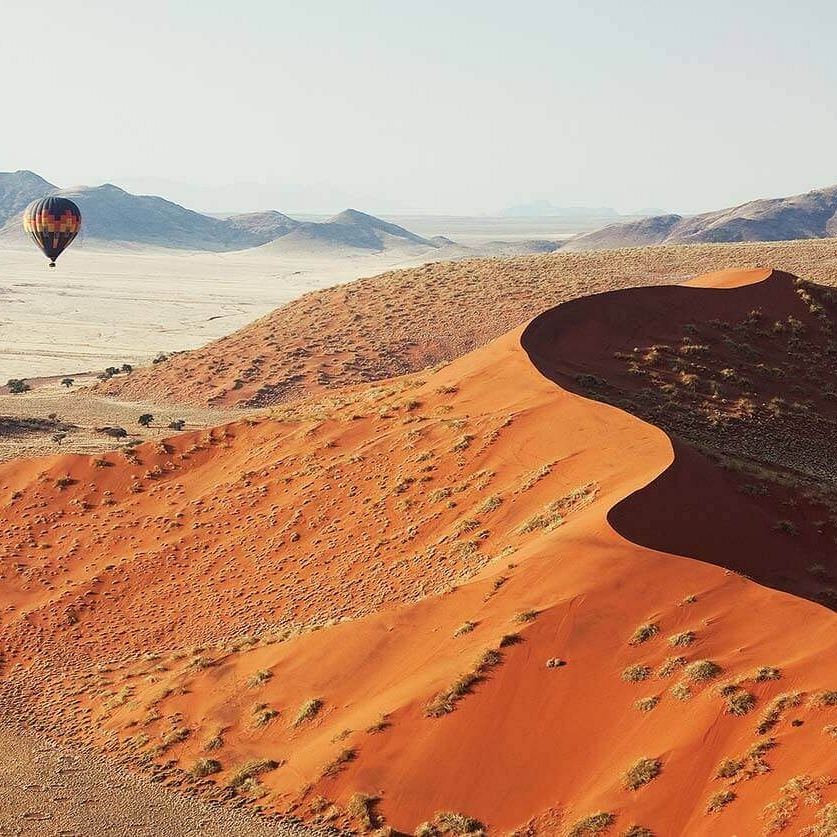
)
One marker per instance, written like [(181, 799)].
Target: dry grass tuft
[(641, 773), (702, 671), (718, 801), (205, 767), (593, 825), (307, 711), (644, 632), (636, 673), (250, 770), (446, 700), (340, 761)]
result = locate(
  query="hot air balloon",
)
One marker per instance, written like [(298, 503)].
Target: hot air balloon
[(53, 223)]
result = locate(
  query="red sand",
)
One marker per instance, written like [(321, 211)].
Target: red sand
[(295, 523)]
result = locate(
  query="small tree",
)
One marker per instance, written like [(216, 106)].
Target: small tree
[(127, 368), (177, 424), (67, 382), (17, 385), (145, 419)]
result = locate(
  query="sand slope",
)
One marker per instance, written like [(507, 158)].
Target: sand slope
[(364, 552)]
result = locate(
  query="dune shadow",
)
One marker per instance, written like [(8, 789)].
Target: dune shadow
[(735, 379)]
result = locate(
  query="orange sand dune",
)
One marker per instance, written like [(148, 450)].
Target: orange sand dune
[(341, 565)]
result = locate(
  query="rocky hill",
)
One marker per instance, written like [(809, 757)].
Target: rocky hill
[(812, 215)]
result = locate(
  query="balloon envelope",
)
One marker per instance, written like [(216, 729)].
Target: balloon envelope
[(53, 223)]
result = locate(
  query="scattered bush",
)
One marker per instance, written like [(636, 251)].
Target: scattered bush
[(307, 711), (636, 672), (646, 704), (205, 767), (361, 807), (250, 770), (740, 702), (670, 665), (17, 386), (681, 639), (701, 671), (340, 761), (259, 678), (593, 825), (644, 632), (447, 699), (719, 801), (641, 773), (773, 712)]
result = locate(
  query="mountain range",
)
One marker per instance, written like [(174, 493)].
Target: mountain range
[(810, 215), (113, 216)]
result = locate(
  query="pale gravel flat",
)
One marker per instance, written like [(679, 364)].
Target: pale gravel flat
[(52, 791)]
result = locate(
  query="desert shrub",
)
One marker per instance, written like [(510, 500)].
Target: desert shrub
[(682, 639), (824, 699), (773, 712), (636, 672), (380, 725), (509, 639), (646, 704), (701, 671), (826, 825), (459, 824), (263, 715), (361, 807), (729, 768), (489, 504), (638, 831), (465, 628), (250, 770), (766, 673), (740, 702), (719, 801), (681, 691), (644, 632), (307, 711), (259, 678), (670, 665), (446, 700), (340, 761), (641, 773), (205, 767), (592, 825), (17, 386), (526, 616)]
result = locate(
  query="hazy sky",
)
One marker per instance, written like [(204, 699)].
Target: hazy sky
[(454, 106)]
